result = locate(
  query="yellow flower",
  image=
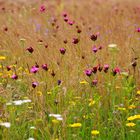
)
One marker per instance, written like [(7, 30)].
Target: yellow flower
[(137, 116), (122, 108), (95, 132), (138, 92), (92, 102), (55, 121), (2, 57), (75, 125), (131, 118), (130, 124), (49, 92), (84, 82), (131, 107)]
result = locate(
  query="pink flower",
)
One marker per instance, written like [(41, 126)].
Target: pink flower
[(94, 49), (106, 67), (14, 76), (115, 71), (42, 8), (34, 69), (94, 82), (138, 29)]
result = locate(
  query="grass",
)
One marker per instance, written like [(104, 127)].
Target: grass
[(75, 79)]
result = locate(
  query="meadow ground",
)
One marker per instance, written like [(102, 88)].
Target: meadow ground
[(69, 70)]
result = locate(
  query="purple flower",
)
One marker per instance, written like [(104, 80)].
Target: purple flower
[(59, 82), (45, 67), (30, 49), (14, 76), (94, 82), (34, 69), (106, 67), (42, 8), (94, 49), (34, 84), (62, 50), (88, 72), (75, 40)]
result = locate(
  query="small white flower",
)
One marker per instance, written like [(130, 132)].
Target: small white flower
[(32, 127), (19, 102), (6, 124), (31, 139), (112, 45), (57, 116)]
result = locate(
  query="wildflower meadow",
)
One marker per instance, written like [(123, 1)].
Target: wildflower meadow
[(69, 70)]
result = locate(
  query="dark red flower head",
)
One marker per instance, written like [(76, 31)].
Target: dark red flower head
[(115, 71), (93, 37), (62, 50), (42, 8), (94, 69), (45, 67), (94, 49), (8, 68), (30, 49), (75, 40), (66, 19), (106, 67), (94, 82), (34, 84)]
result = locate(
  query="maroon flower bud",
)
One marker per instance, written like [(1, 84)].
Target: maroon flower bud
[(45, 67), (46, 46), (34, 84), (134, 64), (94, 49), (93, 37), (42, 8), (53, 73), (106, 67), (66, 19), (100, 67), (94, 69), (65, 41), (79, 31), (30, 49), (64, 14), (75, 40), (5, 29), (115, 71), (8, 68), (62, 50), (94, 82)]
